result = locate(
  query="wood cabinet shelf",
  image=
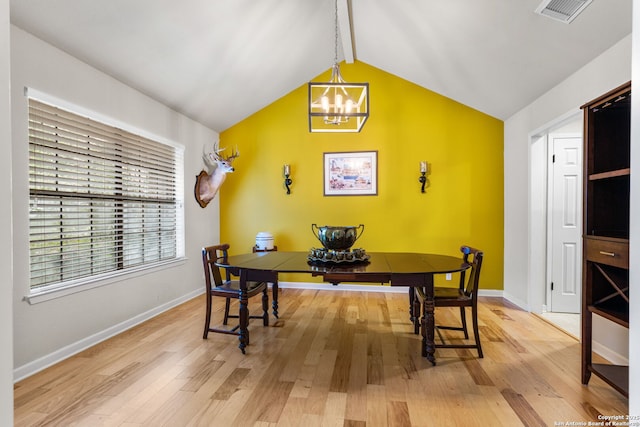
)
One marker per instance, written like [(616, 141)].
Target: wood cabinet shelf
[(605, 274), (612, 313), (615, 375), (608, 207), (610, 174)]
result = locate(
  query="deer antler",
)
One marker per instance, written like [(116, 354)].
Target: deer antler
[(234, 153), (215, 154)]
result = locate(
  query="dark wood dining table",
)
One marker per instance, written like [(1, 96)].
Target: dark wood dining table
[(395, 268)]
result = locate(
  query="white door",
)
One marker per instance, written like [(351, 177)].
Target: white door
[(566, 223)]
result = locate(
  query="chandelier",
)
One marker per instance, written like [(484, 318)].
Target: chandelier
[(337, 106)]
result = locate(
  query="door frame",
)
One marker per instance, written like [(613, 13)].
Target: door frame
[(539, 284)]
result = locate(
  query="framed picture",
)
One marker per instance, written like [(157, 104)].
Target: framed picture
[(351, 174)]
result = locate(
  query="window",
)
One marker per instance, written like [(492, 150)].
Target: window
[(102, 200)]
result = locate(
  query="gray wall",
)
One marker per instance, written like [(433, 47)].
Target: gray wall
[(602, 74), (609, 70), (6, 291), (50, 330)]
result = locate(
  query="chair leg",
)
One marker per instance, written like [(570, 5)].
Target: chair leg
[(274, 290), (416, 314), (265, 307), (412, 297), (463, 317), (428, 330), (207, 320), (226, 310), (474, 313)]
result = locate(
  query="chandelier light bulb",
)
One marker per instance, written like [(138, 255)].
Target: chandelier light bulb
[(325, 103), (338, 105), (349, 106)]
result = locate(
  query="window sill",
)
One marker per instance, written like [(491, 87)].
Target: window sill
[(86, 284)]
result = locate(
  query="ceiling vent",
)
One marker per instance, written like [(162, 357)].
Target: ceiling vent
[(562, 10)]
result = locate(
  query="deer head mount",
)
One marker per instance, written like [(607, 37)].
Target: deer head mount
[(208, 181)]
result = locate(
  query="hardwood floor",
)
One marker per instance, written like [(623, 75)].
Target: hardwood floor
[(334, 358)]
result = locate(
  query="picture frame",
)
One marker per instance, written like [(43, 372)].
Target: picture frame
[(352, 173)]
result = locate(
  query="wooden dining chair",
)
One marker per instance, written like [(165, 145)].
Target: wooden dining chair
[(226, 287), (465, 295), (274, 284)]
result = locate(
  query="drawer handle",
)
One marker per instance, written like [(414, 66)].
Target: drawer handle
[(607, 253)]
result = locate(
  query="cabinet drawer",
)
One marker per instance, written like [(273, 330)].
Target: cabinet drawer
[(615, 253)]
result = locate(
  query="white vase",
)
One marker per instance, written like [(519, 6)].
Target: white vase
[(264, 241)]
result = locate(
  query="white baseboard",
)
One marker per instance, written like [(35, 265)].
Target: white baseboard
[(497, 293), (38, 365), (522, 304)]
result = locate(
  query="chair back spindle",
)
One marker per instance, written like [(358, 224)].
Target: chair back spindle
[(471, 289)]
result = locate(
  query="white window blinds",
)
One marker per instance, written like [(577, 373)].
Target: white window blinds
[(101, 199)]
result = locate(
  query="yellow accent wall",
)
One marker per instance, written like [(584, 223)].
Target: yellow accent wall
[(463, 203)]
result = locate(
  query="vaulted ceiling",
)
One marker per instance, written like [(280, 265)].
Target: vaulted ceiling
[(219, 61)]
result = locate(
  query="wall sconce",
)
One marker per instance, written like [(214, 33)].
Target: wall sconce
[(423, 178), (287, 180)]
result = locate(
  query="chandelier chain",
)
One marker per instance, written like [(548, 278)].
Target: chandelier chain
[(335, 58)]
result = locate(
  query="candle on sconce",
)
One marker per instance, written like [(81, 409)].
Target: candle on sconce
[(287, 181), (423, 177)]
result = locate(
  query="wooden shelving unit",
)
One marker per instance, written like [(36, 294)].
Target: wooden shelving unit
[(605, 287)]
